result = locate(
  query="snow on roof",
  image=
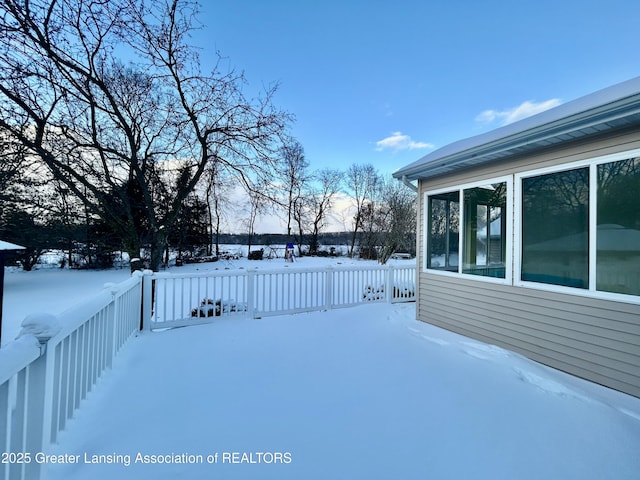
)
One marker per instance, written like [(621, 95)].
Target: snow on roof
[(617, 106), (9, 246)]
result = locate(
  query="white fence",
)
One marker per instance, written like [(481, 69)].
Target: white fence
[(45, 375), (43, 380), (187, 299)]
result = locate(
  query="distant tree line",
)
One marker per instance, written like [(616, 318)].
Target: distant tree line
[(150, 155), (43, 218)]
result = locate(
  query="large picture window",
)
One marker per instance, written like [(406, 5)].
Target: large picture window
[(581, 227), (555, 226)]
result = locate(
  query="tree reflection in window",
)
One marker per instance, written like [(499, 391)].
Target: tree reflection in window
[(555, 228), (443, 233), (618, 227), (485, 230)]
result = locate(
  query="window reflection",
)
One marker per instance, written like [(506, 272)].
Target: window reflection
[(444, 225), (555, 228), (618, 232), (485, 230)]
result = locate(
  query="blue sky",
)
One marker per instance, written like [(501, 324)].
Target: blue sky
[(386, 82)]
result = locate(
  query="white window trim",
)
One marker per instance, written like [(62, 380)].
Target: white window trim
[(425, 229), (513, 259), (508, 280), (591, 292)]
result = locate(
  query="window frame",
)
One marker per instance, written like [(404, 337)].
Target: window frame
[(518, 218), (427, 228), (513, 254), (508, 260), (592, 164)]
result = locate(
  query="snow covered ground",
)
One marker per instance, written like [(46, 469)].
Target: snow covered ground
[(358, 393)]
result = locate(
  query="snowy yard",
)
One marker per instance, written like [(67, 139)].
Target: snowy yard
[(356, 393), (360, 393)]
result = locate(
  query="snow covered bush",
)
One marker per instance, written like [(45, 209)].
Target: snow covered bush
[(211, 308), (400, 290), (404, 290), (371, 293)]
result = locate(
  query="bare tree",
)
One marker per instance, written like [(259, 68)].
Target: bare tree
[(294, 178), (131, 140), (257, 206), (398, 219), (216, 192), (301, 218), (361, 183), (319, 201), (12, 163)]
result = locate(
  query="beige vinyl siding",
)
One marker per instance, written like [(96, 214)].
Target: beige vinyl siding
[(594, 338)]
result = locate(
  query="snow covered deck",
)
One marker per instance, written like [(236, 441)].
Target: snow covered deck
[(358, 393)]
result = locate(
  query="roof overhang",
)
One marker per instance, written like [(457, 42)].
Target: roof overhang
[(6, 246), (612, 109)]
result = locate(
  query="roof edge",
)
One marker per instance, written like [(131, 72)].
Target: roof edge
[(594, 109), (9, 246)]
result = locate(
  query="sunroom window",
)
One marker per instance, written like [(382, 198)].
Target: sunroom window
[(577, 227), (485, 230), (618, 227), (443, 231), (555, 228)]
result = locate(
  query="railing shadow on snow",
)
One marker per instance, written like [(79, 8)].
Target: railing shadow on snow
[(56, 361)]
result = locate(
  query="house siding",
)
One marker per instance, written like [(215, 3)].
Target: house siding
[(594, 338)]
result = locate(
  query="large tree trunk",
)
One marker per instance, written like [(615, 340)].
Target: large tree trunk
[(354, 234), (133, 247), (158, 244)]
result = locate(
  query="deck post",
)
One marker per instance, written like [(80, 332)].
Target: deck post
[(251, 293), (328, 292), (147, 300), (39, 392), (388, 284)]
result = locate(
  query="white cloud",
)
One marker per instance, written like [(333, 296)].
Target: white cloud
[(397, 141), (524, 110)]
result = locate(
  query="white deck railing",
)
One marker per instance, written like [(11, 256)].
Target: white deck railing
[(188, 299), (47, 373), (45, 376)]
